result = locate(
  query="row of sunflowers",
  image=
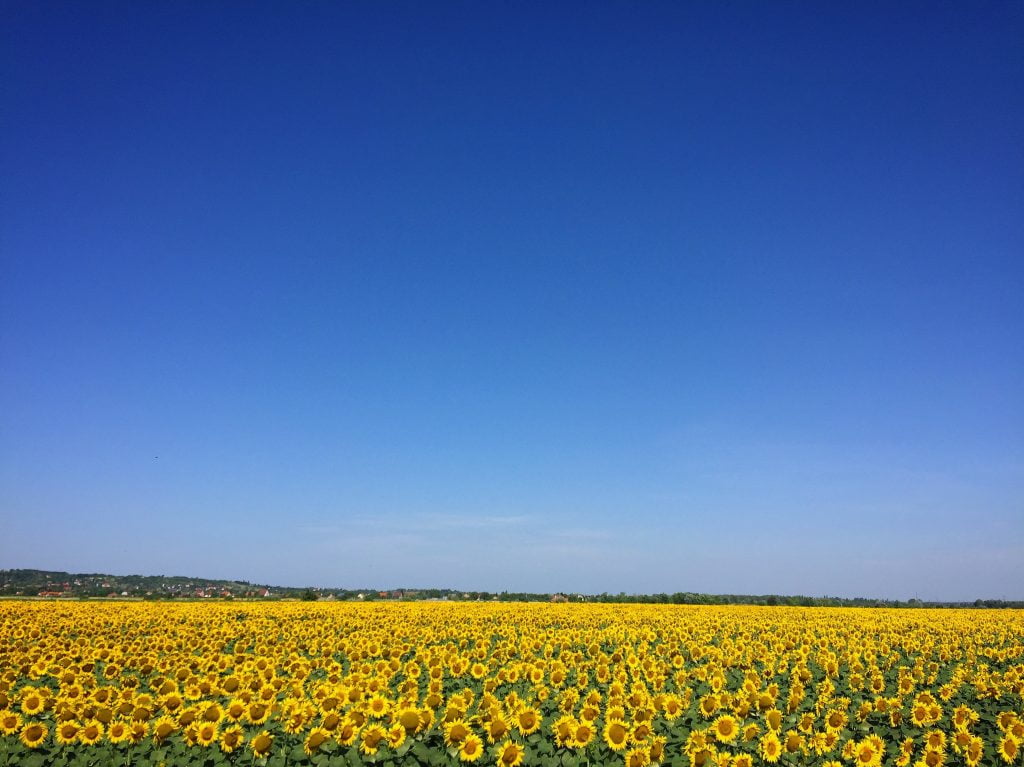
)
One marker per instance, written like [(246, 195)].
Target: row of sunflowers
[(560, 685)]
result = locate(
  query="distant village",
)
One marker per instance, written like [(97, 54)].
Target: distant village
[(45, 584), (60, 585)]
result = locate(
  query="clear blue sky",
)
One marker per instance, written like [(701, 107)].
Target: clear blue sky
[(529, 296)]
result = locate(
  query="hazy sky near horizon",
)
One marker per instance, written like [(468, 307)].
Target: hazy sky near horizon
[(604, 296)]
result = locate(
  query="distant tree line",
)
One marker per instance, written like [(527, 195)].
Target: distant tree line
[(160, 587)]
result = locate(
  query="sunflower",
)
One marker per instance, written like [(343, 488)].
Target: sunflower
[(656, 747), (316, 738), (706, 757), (496, 729), (974, 751), (773, 718), (471, 748), (33, 734), (935, 740), (527, 720), (187, 716), (581, 734), (673, 707), (137, 732), (509, 754), (455, 732), (330, 721), (163, 728), (964, 716), (794, 741), (10, 722), (295, 722), (725, 728), (709, 706), (867, 754), (371, 738), (347, 732), (638, 756), (1004, 719), (231, 738), (190, 734), (211, 712), (396, 735), (207, 734), (1016, 731), (806, 723), (616, 734), (91, 732), (961, 739), (919, 714), (562, 729), (66, 732), (1008, 749), (640, 732), (32, 703), (261, 744), (378, 706), (257, 712), (171, 702), (118, 732), (696, 741), (770, 747), (849, 750), (409, 718), (235, 709), (746, 760)]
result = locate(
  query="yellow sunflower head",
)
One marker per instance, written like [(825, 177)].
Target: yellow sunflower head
[(231, 738), (316, 738), (118, 732), (261, 744), (638, 756), (164, 727), (725, 728), (33, 734), (770, 747), (32, 703), (10, 722), (509, 754), (581, 734), (1008, 749), (91, 732), (371, 738), (616, 734), (471, 748), (206, 733)]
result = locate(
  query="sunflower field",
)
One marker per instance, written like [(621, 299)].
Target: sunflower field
[(560, 685)]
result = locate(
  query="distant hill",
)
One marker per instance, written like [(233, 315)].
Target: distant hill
[(59, 584), (32, 582), (55, 584)]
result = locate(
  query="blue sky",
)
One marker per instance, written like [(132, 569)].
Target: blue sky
[(718, 297)]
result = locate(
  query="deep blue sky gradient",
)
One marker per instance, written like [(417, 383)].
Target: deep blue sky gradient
[(584, 296)]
